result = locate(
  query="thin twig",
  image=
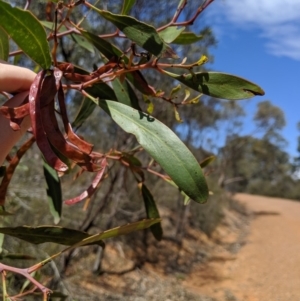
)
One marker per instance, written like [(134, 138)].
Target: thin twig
[(190, 21)]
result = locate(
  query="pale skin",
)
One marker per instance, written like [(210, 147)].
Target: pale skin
[(16, 80)]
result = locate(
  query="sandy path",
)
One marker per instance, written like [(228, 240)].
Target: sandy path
[(272, 255), (267, 268)]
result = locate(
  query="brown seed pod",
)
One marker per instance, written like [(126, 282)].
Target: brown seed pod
[(92, 188), (12, 167), (36, 90)]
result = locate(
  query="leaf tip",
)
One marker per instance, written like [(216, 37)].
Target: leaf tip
[(258, 92)]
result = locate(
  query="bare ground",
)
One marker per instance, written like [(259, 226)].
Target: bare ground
[(268, 266), (245, 259)]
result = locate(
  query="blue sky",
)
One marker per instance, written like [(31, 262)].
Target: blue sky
[(260, 41)]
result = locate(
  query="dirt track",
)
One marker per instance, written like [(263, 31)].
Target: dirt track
[(267, 268)]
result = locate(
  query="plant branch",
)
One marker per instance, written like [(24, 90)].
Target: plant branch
[(25, 273), (174, 22)]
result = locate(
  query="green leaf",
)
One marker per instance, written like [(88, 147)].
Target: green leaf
[(50, 25), (122, 230), (219, 85), (97, 238), (82, 42), (207, 161), (79, 39), (186, 38), (125, 94), (141, 33), (134, 101), (109, 50), (137, 79), (27, 32), (127, 5), (54, 192), (175, 90), (170, 33), (4, 45), (102, 91), (42, 234), (164, 146), (106, 48), (86, 109), (152, 212)]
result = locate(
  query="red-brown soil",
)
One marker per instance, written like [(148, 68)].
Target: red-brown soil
[(267, 268)]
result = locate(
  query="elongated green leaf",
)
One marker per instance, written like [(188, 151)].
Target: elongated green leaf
[(102, 91), (186, 38), (141, 33), (82, 42), (171, 33), (27, 32), (42, 234), (164, 146), (219, 85), (106, 48), (86, 109), (207, 161), (152, 212), (50, 25), (134, 101), (97, 238), (4, 45), (127, 5), (125, 94), (109, 50), (118, 231), (54, 192), (138, 81)]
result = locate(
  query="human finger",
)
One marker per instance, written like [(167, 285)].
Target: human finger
[(14, 79)]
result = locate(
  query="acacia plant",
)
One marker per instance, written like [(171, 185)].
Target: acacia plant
[(63, 151)]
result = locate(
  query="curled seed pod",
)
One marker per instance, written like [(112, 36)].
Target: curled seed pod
[(72, 137), (12, 167), (38, 88), (16, 112), (58, 141), (92, 188)]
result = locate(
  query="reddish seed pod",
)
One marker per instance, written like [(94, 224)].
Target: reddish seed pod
[(36, 90), (92, 188), (72, 137), (12, 167)]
